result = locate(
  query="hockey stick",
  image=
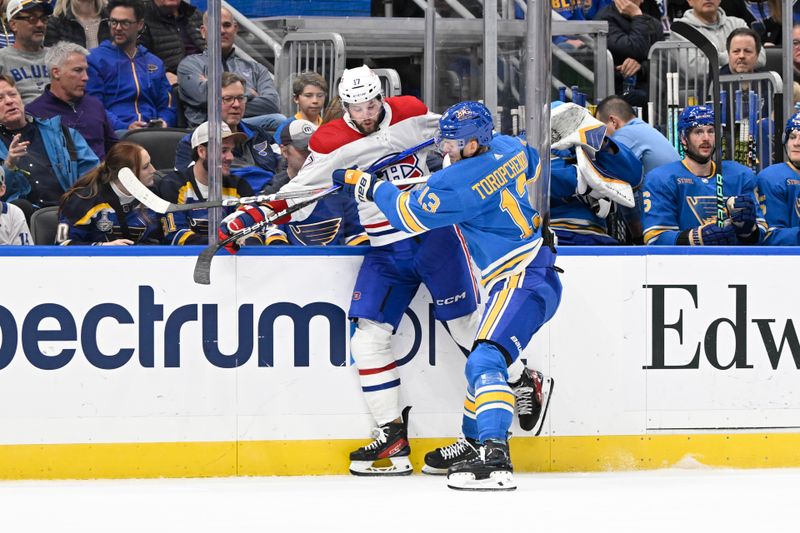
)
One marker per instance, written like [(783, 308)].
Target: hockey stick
[(710, 51), (154, 202), (202, 269), (752, 143), (159, 205)]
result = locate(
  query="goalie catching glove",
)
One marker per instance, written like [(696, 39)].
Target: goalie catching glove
[(245, 217), (356, 183), (572, 125)]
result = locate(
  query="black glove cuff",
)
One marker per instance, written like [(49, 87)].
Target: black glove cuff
[(683, 238)]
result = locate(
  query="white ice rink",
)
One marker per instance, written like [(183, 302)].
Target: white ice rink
[(676, 500)]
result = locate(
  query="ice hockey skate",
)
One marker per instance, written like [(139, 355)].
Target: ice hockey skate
[(387, 455), (490, 469), (532, 398), (438, 461)]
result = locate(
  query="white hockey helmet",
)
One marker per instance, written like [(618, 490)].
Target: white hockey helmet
[(359, 85)]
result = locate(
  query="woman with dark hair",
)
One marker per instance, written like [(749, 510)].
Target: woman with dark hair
[(99, 210)]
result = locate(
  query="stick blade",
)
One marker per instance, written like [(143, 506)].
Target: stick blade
[(141, 192), (202, 268)]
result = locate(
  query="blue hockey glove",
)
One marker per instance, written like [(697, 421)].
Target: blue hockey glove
[(742, 213), (356, 183), (712, 235)]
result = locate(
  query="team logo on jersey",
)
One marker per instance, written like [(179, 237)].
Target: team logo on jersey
[(703, 207), (151, 68), (103, 223), (318, 233), (356, 296), (407, 168), (262, 148)]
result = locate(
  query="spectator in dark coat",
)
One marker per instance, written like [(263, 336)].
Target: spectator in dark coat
[(172, 32), (631, 33), (83, 22)]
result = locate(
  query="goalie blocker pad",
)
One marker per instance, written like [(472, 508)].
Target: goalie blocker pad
[(595, 182)]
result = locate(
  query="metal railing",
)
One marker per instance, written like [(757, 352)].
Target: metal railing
[(323, 53)]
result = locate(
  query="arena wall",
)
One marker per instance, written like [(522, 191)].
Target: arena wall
[(113, 363)]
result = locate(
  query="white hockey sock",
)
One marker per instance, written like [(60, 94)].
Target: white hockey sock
[(371, 346)]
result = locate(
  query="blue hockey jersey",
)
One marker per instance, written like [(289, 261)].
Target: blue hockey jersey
[(191, 227), (102, 218), (486, 196), (675, 199), (779, 187), (334, 221)]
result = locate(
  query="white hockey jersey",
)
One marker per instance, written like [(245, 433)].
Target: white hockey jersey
[(338, 144), (13, 228)]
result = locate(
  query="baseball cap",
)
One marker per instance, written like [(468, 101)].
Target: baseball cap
[(296, 132), (15, 7), (200, 135)]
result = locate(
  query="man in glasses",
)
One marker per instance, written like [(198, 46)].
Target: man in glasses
[(24, 61), (254, 159), (127, 78), (262, 96)]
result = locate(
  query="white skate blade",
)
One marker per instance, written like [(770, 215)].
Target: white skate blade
[(548, 386), (499, 480), (400, 466), (431, 471)]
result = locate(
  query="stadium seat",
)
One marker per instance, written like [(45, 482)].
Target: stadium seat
[(44, 223), (160, 143)]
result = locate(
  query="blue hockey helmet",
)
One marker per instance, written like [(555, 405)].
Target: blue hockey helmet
[(466, 121), (695, 115), (792, 124)]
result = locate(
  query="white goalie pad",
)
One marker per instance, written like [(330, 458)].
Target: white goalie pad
[(598, 184), (573, 125)]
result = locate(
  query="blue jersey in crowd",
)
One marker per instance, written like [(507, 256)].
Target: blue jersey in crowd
[(675, 199)]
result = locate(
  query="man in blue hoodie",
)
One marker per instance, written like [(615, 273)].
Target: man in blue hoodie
[(128, 79)]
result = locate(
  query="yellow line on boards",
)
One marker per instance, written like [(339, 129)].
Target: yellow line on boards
[(326, 457)]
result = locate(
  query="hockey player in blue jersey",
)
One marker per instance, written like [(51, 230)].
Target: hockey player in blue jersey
[(779, 186), (577, 212), (680, 198), (483, 192)]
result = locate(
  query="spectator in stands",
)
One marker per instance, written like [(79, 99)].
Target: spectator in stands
[(631, 33), (710, 20), (25, 59), (262, 97), (42, 158), (127, 78), (334, 219), (254, 158), (680, 206), (83, 22), (99, 210), (190, 185), (649, 146), (66, 97), (743, 46), (13, 226), (172, 32), (779, 185), (310, 90), (6, 37)]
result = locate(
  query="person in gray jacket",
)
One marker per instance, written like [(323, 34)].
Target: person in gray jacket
[(24, 61), (262, 96), (709, 19)]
